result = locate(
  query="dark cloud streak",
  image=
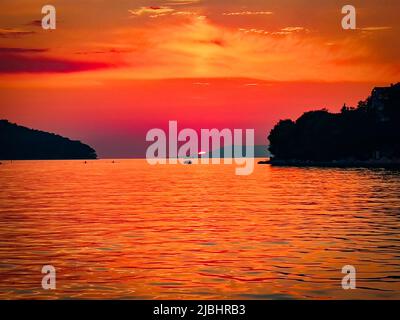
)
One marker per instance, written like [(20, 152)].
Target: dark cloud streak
[(14, 33), (23, 50), (18, 63), (36, 23)]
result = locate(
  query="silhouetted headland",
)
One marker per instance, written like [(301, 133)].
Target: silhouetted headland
[(21, 143), (368, 135)]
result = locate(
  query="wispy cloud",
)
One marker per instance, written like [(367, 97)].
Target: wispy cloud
[(375, 28), (181, 2), (254, 30), (247, 13), (184, 13), (151, 11), (14, 33), (202, 49), (281, 32), (294, 29), (105, 51), (155, 12)]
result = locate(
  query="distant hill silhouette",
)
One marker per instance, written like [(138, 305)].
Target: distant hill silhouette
[(21, 143), (371, 131)]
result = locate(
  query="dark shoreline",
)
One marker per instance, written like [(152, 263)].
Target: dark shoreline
[(392, 164)]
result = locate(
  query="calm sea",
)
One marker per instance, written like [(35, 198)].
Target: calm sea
[(134, 231)]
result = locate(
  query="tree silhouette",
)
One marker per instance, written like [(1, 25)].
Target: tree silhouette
[(369, 131)]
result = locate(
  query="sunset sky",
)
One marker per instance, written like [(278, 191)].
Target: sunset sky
[(112, 70)]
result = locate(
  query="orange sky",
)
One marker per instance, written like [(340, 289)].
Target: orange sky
[(114, 69)]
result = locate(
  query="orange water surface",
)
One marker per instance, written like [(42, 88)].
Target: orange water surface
[(129, 230)]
